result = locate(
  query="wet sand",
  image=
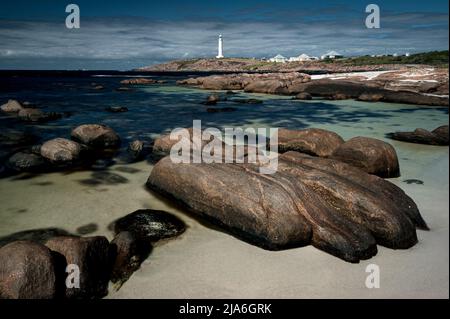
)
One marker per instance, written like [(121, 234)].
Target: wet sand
[(205, 262)]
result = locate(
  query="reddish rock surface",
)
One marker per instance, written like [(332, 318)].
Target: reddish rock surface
[(371, 155), (341, 213), (311, 141)]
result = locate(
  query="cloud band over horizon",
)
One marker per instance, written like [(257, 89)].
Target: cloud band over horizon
[(125, 42)]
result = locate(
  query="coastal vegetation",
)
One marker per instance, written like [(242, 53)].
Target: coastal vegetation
[(435, 58)]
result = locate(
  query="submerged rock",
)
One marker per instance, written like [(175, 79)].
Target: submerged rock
[(96, 136), (14, 137), (61, 151), (304, 96), (371, 155), (220, 109), (311, 141), (438, 136), (334, 206), (92, 256), (26, 162), (150, 225), (247, 101), (213, 98), (27, 271), (137, 149), (124, 89), (36, 115), (117, 109), (12, 106)]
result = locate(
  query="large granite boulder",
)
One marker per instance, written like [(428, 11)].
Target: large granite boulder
[(93, 258), (371, 155), (27, 271), (61, 150), (438, 136), (331, 205), (96, 136), (270, 86), (311, 141), (219, 82)]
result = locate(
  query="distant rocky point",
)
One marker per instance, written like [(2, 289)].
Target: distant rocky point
[(256, 65)]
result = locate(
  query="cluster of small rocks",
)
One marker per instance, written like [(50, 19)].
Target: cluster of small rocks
[(86, 139), (72, 267), (28, 114)]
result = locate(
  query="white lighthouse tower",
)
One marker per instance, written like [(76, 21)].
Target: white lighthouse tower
[(220, 48)]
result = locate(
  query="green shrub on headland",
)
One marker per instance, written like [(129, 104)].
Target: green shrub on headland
[(437, 58)]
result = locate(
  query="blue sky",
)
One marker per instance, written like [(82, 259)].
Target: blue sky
[(128, 34)]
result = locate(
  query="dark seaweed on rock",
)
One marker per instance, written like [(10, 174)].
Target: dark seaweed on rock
[(150, 225)]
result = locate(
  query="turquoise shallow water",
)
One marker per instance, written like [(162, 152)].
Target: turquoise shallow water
[(94, 198)]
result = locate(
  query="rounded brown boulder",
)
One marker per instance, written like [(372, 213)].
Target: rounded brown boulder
[(92, 257), (27, 271), (312, 141), (130, 252), (60, 150), (96, 136), (371, 155)]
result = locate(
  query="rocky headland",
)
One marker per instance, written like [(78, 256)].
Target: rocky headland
[(413, 85), (255, 65)]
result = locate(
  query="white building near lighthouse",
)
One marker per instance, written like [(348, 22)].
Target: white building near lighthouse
[(278, 59), (220, 48)]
